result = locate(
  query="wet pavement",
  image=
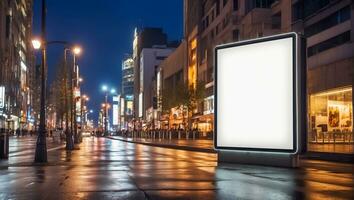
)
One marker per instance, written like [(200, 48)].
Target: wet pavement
[(202, 145), (113, 169)]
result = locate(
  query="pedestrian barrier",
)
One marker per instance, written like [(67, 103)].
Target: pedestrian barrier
[(168, 134)]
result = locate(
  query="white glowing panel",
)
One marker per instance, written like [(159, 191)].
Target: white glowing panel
[(115, 114), (255, 94)]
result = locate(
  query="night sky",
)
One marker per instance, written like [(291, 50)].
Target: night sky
[(104, 29)]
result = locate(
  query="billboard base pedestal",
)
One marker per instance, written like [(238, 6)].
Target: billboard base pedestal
[(258, 158)]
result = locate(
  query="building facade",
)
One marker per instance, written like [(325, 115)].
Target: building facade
[(127, 96), (150, 58), (328, 29), (169, 79), (145, 38), (17, 71), (327, 26)]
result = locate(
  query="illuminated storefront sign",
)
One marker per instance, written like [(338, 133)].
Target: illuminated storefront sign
[(115, 114), (140, 104), (129, 97), (208, 105), (115, 98), (122, 107), (129, 110), (256, 95)]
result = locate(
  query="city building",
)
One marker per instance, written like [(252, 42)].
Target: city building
[(145, 38), (327, 26), (150, 58), (16, 65), (328, 29), (127, 97), (169, 78)]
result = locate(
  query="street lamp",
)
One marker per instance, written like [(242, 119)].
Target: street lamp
[(77, 50), (104, 88), (36, 43), (84, 99), (41, 145), (106, 106), (75, 84), (69, 134)]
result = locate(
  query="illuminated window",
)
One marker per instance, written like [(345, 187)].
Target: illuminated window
[(331, 119), (192, 69)]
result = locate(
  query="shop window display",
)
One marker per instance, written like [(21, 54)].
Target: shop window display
[(331, 121)]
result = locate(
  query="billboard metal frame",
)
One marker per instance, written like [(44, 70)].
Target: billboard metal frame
[(296, 85)]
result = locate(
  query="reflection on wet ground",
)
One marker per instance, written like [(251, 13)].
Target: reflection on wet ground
[(112, 169)]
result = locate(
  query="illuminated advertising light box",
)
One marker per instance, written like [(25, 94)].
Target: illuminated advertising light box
[(115, 114), (255, 95)]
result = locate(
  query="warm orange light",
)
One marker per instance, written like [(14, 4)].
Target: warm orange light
[(194, 43), (77, 50), (192, 78)]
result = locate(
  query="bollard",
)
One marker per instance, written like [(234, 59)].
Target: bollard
[(4, 146)]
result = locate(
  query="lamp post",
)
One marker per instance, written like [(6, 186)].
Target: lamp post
[(84, 99), (105, 89), (37, 44), (41, 146), (74, 86), (106, 107), (69, 134)]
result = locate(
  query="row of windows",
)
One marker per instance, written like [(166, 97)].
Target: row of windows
[(336, 18), (305, 8), (251, 4), (210, 18), (328, 44)]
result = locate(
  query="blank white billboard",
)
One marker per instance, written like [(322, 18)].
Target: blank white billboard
[(255, 94)]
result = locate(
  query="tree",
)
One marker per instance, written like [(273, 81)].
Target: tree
[(60, 91), (182, 97)]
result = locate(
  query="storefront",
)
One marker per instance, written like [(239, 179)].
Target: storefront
[(330, 121), (177, 118)]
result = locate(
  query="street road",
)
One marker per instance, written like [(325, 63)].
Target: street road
[(111, 169)]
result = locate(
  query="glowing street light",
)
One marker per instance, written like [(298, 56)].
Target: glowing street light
[(104, 88), (113, 91), (77, 50), (36, 44)]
